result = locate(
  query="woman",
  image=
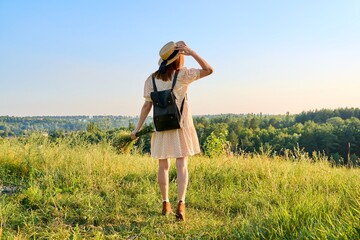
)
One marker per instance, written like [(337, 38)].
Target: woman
[(179, 143)]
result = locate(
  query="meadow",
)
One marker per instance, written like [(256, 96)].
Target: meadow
[(63, 190)]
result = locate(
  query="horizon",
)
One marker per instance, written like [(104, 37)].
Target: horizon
[(90, 58), (194, 115)]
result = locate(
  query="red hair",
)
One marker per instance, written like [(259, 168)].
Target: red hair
[(175, 65)]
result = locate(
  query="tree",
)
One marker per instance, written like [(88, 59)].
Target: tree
[(233, 140), (214, 145)]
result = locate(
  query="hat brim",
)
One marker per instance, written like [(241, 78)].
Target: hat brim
[(171, 60)]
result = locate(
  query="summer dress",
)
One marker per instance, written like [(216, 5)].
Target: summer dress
[(181, 142)]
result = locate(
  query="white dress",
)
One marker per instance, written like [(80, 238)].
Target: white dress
[(181, 142)]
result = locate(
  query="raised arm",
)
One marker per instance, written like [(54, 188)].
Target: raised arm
[(206, 68)]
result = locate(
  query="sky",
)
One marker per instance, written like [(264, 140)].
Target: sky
[(86, 57)]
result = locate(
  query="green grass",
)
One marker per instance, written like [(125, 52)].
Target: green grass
[(91, 192)]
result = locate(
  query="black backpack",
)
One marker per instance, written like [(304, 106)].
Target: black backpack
[(166, 114)]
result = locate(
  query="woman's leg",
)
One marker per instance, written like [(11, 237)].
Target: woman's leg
[(182, 181), (163, 178), (182, 177)]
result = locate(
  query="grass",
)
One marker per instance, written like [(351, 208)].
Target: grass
[(91, 192)]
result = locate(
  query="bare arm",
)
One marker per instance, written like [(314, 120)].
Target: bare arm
[(206, 68), (143, 115)]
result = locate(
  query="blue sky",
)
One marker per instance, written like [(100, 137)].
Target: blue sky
[(92, 57)]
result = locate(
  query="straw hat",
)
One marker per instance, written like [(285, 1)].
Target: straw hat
[(168, 53)]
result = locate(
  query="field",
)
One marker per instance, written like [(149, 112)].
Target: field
[(64, 190)]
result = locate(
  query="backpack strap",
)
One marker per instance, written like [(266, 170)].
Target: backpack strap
[(182, 105), (173, 85), (153, 80), (174, 80)]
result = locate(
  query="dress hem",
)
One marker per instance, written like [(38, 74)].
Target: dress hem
[(174, 156)]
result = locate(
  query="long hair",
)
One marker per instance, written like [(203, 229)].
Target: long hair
[(175, 65)]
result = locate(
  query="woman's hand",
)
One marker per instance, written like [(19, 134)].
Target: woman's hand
[(183, 48), (206, 68), (133, 135)]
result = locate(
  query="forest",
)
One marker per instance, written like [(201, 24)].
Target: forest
[(334, 134)]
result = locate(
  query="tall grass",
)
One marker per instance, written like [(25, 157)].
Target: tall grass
[(91, 192)]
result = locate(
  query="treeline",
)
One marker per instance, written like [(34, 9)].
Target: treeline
[(323, 115), (22, 126), (331, 133)]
